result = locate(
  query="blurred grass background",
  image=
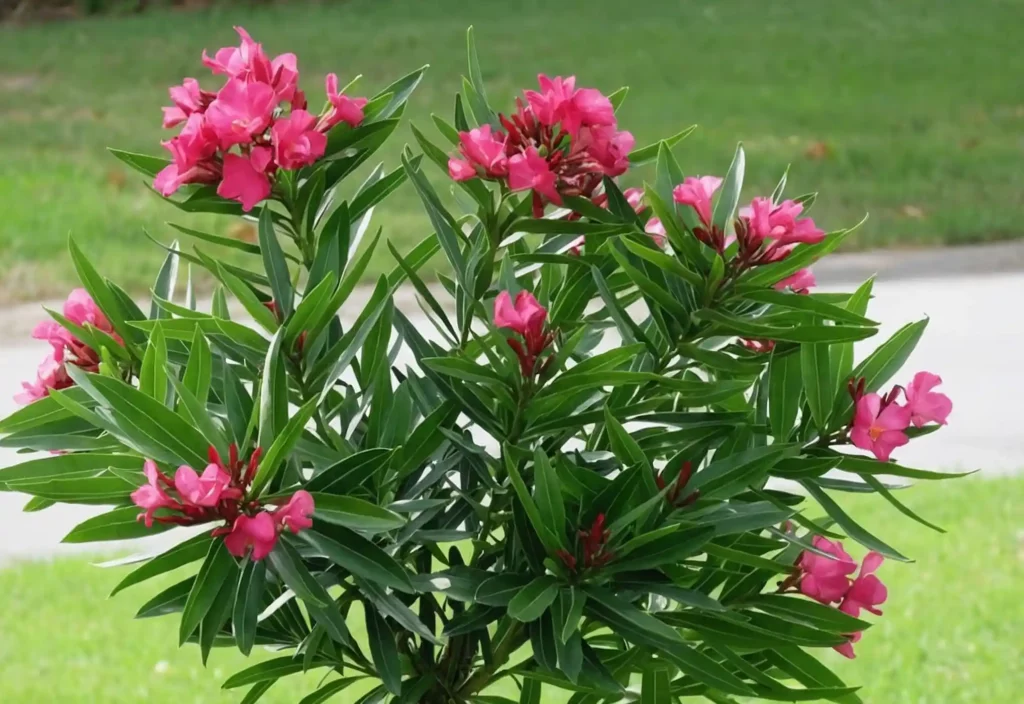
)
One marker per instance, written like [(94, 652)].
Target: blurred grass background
[(949, 635), (909, 110)]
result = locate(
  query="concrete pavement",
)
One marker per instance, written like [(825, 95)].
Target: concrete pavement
[(973, 341)]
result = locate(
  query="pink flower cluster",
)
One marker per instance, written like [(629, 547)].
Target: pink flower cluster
[(879, 422), (239, 137), (65, 348), (829, 580), (219, 493), (561, 141), (765, 232), (526, 317)]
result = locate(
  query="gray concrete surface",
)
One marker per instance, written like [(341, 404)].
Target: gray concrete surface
[(973, 341)]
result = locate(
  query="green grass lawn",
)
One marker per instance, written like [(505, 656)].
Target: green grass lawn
[(950, 634), (910, 110)]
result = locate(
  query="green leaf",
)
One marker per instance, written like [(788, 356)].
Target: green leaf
[(182, 554), (216, 569), (192, 410), (217, 615), (169, 437), (169, 601), (816, 372), (550, 541), (784, 391), (287, 564), (166, 278), (273, 393), (464, 369), (729, 197), (199, 368), (245, 295), (643, 155), (534, 599), (327, 691), (500, 589), (730, 324), (654, 687), (852, 528), (275, 265), (119, 524), (283, 444), (383, 650), (548, 495), (268, 670), (842, 354), (809, 303), (478, 97), (143, 163), (351, 472), (900, 506), (229, 242), (355, 513), (880, 366), (442, 221), (248, 603), (359, 556), (100, 292), (664, 550), (739, 469)]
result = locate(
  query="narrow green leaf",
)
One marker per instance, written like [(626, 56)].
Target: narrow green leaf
[(534, 599), (283, 444), (216, 569), (248, 602), (729, 197), (275, 264), (852, 528), (355, 513), (383, 650)]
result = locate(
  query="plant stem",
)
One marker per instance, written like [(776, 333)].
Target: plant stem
[(502, 652)]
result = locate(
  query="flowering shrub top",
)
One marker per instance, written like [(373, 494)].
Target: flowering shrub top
[(566, 473)]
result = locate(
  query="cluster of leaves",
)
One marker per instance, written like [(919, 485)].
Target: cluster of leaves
[(446, 486)]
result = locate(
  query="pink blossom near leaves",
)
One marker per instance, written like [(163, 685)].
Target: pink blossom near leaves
[(800, 282), (201, 490), (559, 101), (530, 171), (296, 141), (846, 649), (258, 532), (241, 111), (526, 316), (343, 108), (867, 590), (188, 98), (285, 72), (245, 178), (927, 406), (190, 150), (877, 428), (696, 192), (656, 230), (635, 198), (151, 496), (822, 578), (295, 515), (482, 150), (246, 62), (779, 223), (608, 146), (51, 374)]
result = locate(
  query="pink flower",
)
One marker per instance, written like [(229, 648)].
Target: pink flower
[(81, 309), (343, 108), (800, 282), (296, 142), (779, 223), (927, 406), (241, 111), (190, 154), (846, 649), (867, 591), (559, 102), (879, 428), (258, 532), (245, 178), (204, 490), (656, 230), (285, 71), (51, 374), (246, 62), (295, 515), (608, 146), (151, 496), (635, 198), (824, 579), (484, 154), (188, 98), (529, 170), (696, 192), (525, 317)]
